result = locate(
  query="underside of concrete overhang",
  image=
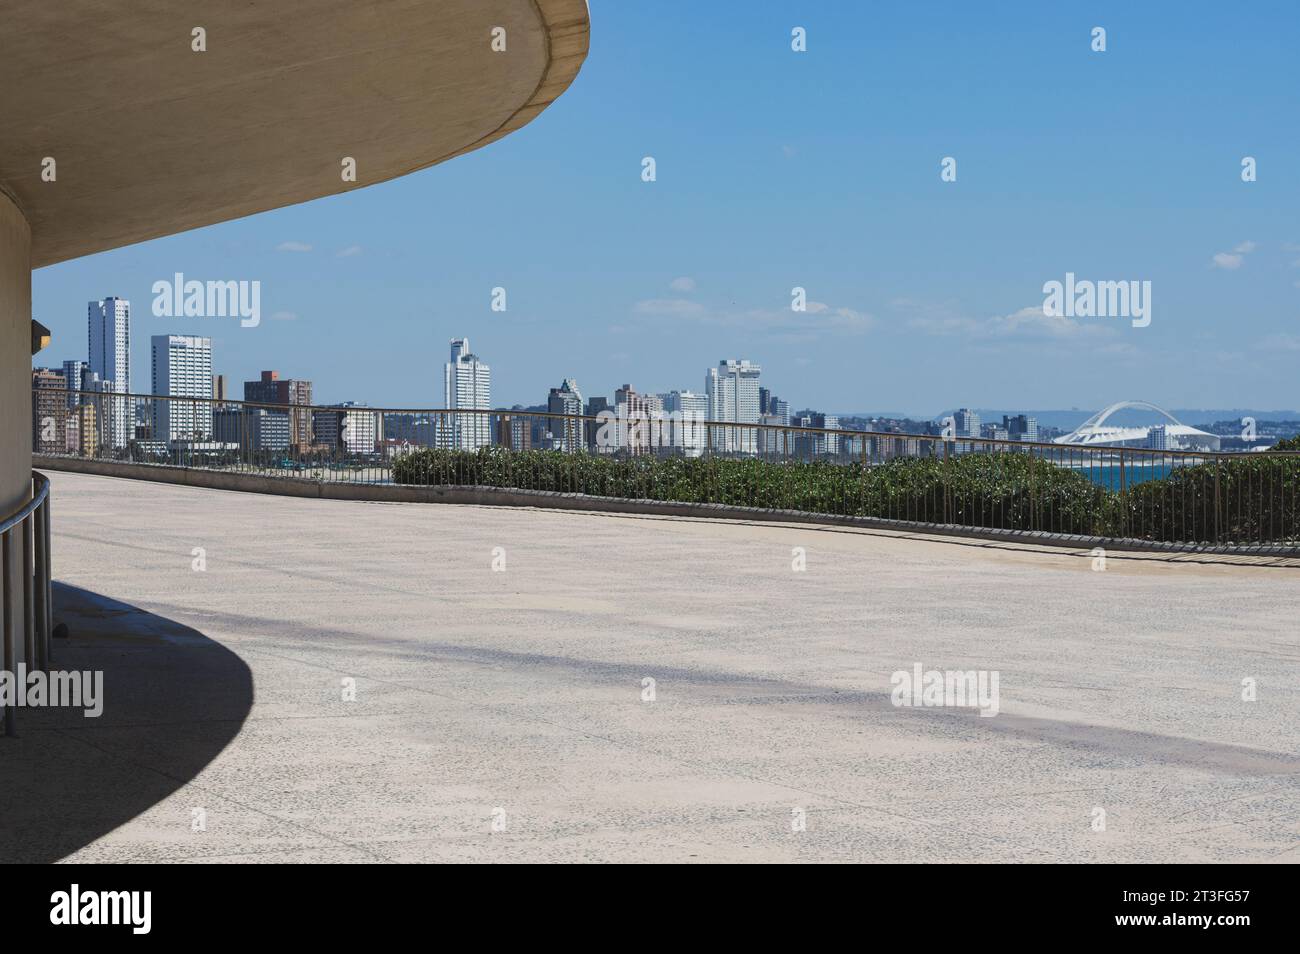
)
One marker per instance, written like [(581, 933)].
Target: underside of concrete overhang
[(149, 136)]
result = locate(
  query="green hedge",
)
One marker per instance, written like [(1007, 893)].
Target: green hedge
[(1252, 498), (1012, 491)]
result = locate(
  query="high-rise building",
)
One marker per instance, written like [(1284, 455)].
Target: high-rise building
[(779, 409), (774, 440), (1020, 427), (73, 373), (764, 401), (810, 444), (49, 411), (349, 426), (219, 388), (595, 406), (640, 419), (566, 435), (181, 368), (966, 423), (732, 391), (685, 413), (467, 384), (295, 392), (1158, 437), (252, 428), (109, 354)]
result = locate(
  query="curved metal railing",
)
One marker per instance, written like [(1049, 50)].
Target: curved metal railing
[(31, 522), (1187, 497)]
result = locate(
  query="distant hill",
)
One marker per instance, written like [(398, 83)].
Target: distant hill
[(1068, 420)]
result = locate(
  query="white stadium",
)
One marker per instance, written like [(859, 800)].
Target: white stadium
[(1170, 435)]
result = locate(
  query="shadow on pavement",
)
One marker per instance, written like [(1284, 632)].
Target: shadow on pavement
[(172, 700)]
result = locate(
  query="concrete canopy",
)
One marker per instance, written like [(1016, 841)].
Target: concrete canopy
[(151, 137)]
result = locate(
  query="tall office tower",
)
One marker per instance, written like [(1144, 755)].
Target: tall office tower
[(811, 444), (566, 434), (594, 407), (686, 412), (764, 401), (640, 419), (468, 384), (182, 368), (73, 373), (732, 390), (219, 388), (349, 426), (779, 409), (273, 389), (1020, 427), (252, 428), (774, 440), (966, 423), (49, 411), (109, 353)]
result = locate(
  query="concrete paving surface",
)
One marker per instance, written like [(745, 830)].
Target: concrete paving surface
[(296, 680)]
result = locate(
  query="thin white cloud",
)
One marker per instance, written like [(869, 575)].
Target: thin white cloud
[(293, 247), (683, 284), (820, 318), (664, 307), (1236, 258), (284, 316), (1280, 342), (349, 251), (1028, 322)]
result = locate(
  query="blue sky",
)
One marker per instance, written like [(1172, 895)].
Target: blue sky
[(819, 169)]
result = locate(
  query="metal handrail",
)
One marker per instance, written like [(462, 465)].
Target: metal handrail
[(38, 498), (32, 520), (1186, 497), (701, 422)]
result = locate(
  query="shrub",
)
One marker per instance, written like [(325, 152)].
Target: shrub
[(1250, 498), (1008, 490)]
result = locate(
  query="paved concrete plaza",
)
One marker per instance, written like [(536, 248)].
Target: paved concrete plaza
[(514, 698)]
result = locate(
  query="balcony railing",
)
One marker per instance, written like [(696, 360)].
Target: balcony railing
[(1187, 498), (29, 641)]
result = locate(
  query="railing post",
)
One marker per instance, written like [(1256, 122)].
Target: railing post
[(28, 528), (6, 608), (45, 555)]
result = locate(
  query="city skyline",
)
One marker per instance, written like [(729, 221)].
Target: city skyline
[(183, 366), (910, 280)]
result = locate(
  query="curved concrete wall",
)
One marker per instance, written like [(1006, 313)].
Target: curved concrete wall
[(15, 357), (15, 394)]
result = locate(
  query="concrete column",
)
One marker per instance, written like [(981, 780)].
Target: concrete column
[(15, 391)]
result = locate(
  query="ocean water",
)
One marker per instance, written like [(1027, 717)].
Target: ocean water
[(1107, 475)]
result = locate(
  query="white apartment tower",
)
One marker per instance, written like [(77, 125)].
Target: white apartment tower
[(468, 384), (182, 368), (732, 392), (686, 413), (109, 353)]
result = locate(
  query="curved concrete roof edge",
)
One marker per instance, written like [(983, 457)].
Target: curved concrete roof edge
[(568, 35), (567, 29)]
